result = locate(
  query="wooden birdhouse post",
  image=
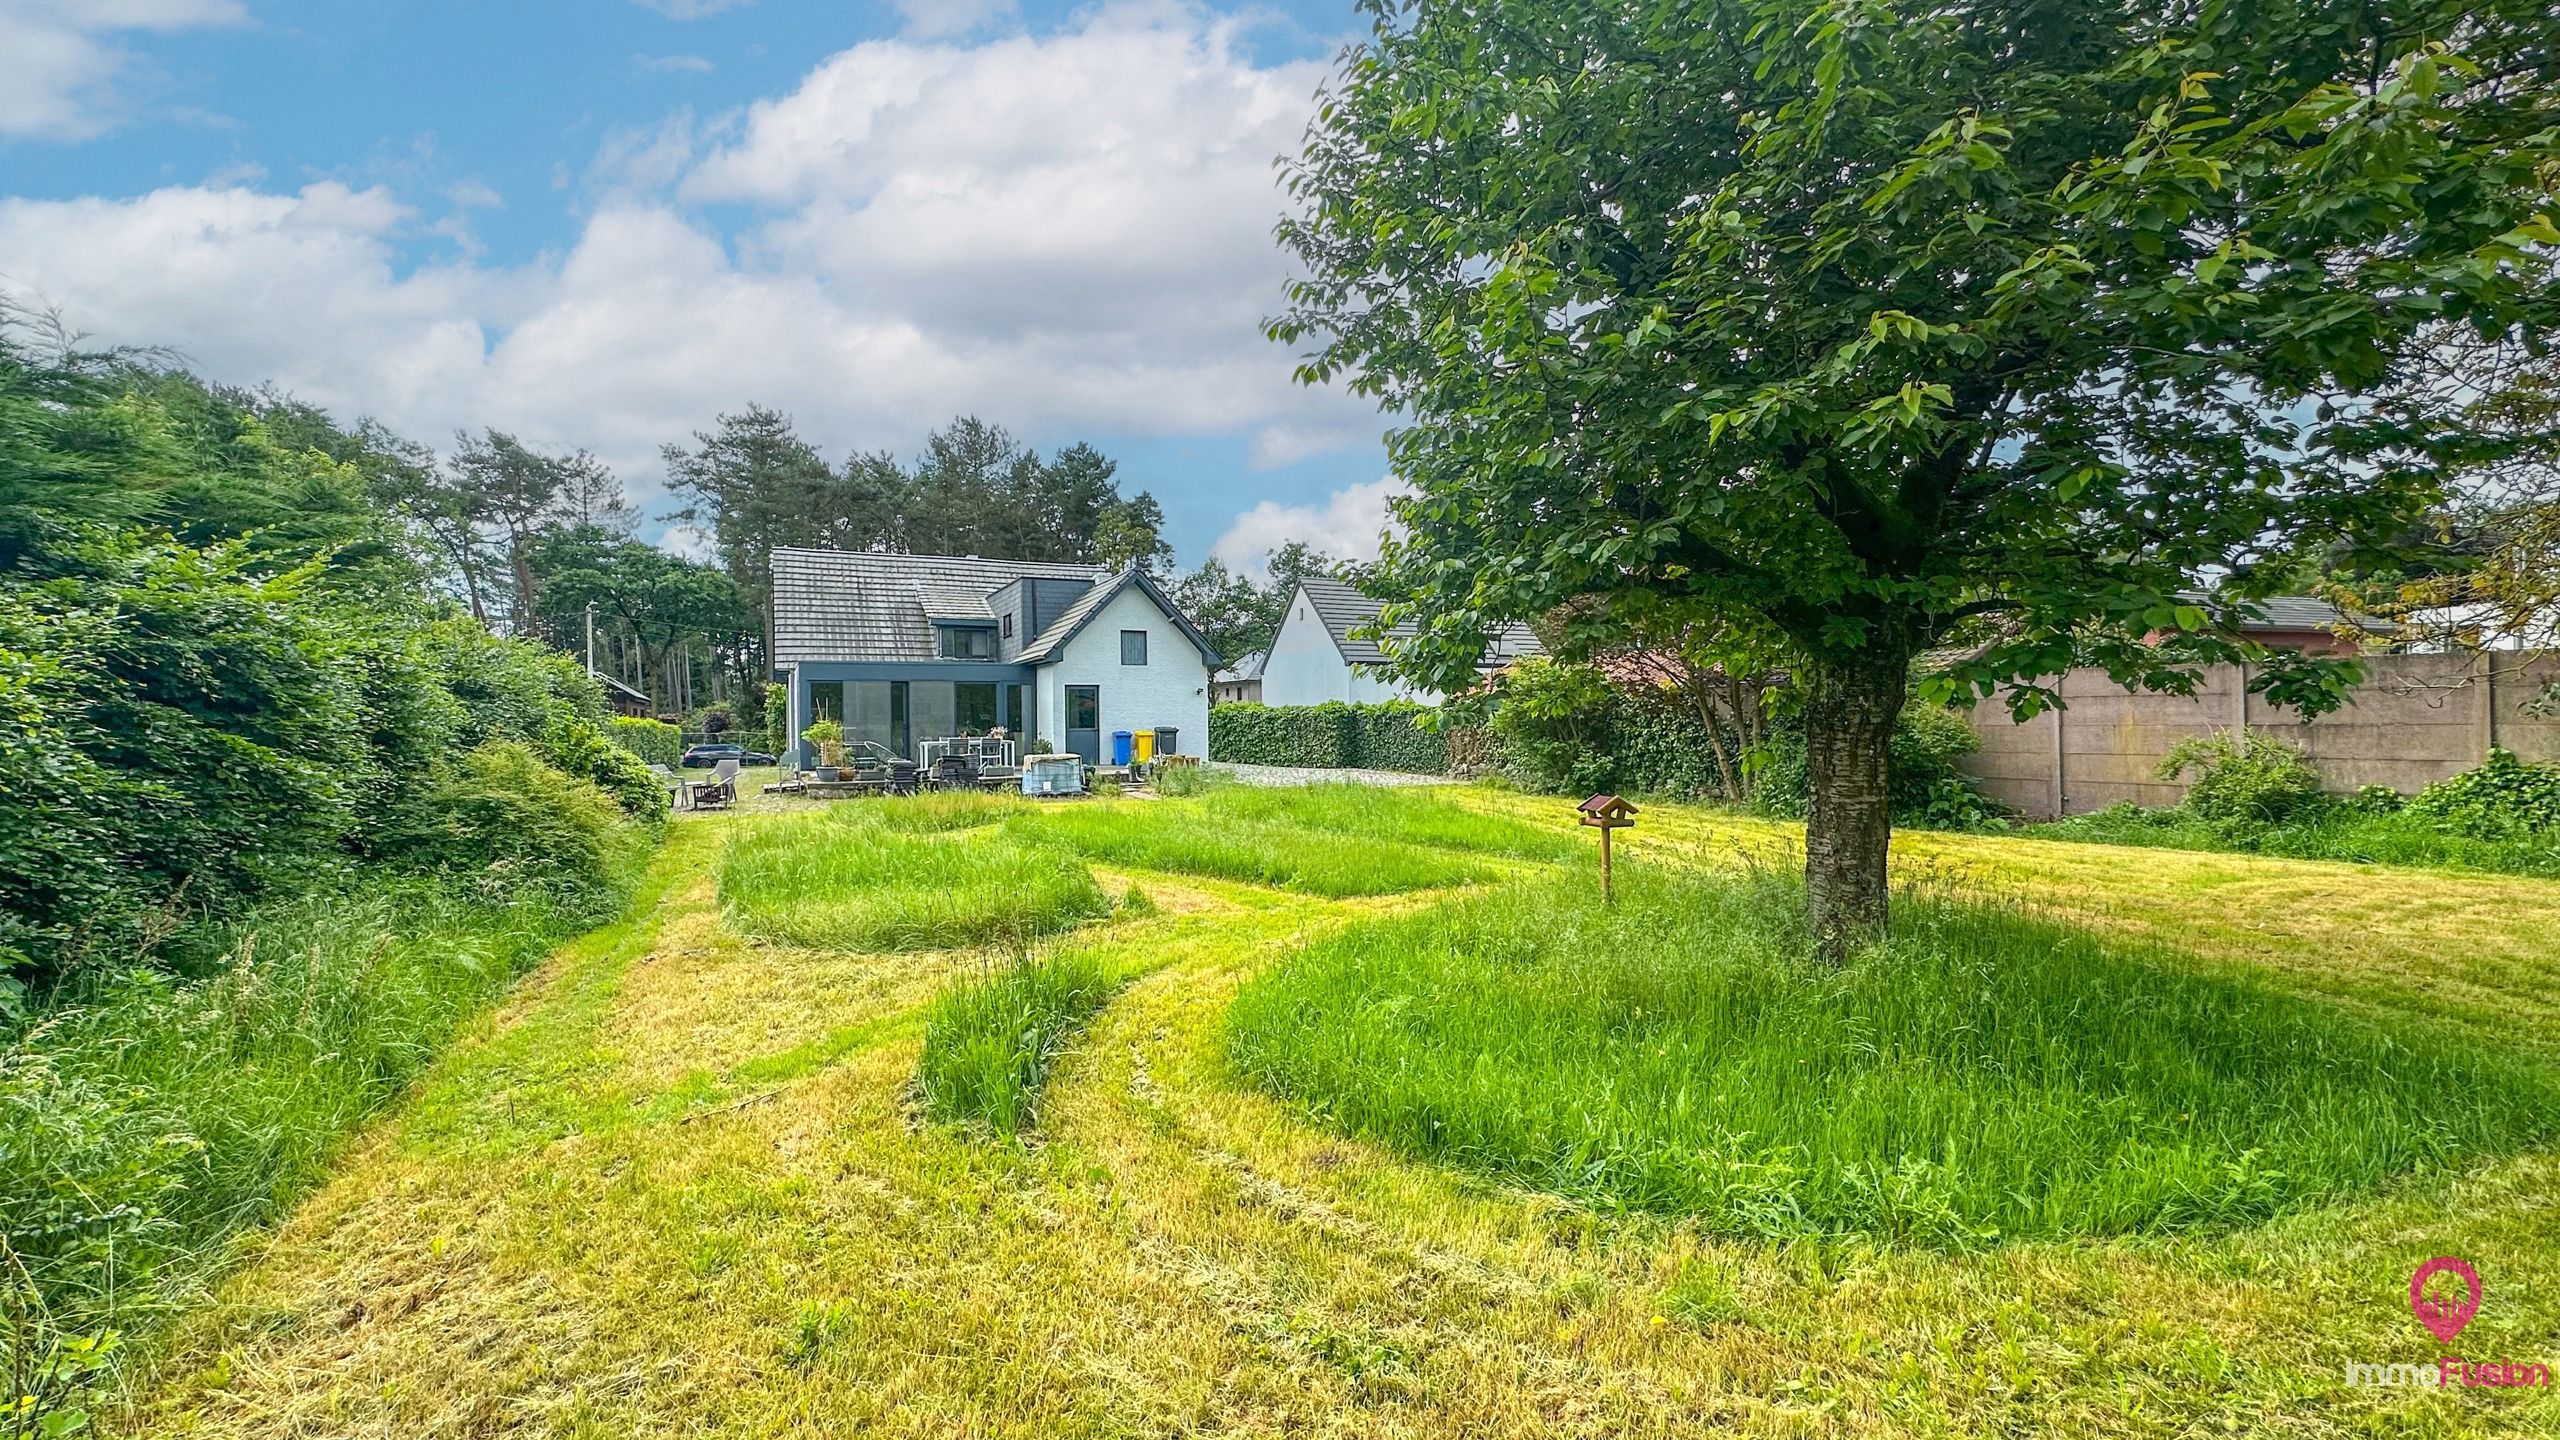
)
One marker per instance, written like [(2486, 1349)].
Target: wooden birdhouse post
[(1605, 813)]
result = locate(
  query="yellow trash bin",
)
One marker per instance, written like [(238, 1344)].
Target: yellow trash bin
[(1146, 743)]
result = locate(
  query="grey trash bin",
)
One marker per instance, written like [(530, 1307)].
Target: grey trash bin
[(1166, 735)]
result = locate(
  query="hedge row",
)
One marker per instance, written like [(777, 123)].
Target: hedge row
[(654, 741), (1332, 736)]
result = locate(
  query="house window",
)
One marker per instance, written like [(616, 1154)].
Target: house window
[(1008, 624), (968, 642), (1133, 647)]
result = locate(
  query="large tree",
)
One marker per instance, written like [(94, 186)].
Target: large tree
[(1842, 323)]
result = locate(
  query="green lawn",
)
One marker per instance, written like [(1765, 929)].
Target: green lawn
[(690, 1182)]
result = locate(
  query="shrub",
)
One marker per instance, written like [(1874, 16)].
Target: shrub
[(1397, 735), (989, 1044), (505, 821), (655, 741), (1979, 1076), (2253, 778), (2503, 798), (581, 749)]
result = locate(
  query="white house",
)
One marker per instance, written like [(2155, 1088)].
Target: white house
[(902, 649), (1315, 657)]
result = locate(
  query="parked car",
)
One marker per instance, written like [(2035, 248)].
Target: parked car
[(706, 757)]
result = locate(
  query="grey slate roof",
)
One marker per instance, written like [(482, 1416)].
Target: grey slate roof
[(1090, 604), (2301, 612), (838, 605), (1344, 609), (1248, 668)]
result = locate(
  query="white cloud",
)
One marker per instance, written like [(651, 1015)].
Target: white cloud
[(690, 9), (671, 64), (940, 19), (64, 58), (1068, 234), (1347, 526)]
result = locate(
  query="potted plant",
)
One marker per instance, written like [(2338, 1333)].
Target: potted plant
[(828, 736)]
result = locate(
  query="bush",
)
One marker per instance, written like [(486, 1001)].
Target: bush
[(581, 749), (505, 821), (655, 741), (1397, 735), (989, 1044), (2504, 798), (2251, 779)]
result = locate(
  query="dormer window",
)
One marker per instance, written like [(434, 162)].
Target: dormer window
[(966, 642)]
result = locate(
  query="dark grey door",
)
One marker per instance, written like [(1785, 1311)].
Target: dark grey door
[(1084, 722)]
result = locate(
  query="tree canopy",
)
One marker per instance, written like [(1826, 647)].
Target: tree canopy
[(1850, 326)]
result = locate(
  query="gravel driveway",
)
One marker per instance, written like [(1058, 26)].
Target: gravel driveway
[(1283, 775)]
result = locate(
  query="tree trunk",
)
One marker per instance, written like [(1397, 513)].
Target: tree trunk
[(1849, 709)]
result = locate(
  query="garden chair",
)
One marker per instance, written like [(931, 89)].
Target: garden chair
[(721, 791)]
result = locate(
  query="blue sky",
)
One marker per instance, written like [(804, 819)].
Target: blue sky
[(601, 222)]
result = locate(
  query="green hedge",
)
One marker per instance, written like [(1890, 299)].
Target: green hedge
[(655, 741), (1332, 736)]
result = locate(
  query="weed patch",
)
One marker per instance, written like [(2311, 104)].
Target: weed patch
[(1981, 1076), (823, 882)]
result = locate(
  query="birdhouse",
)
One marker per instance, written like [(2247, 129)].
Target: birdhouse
[(1607, 812)]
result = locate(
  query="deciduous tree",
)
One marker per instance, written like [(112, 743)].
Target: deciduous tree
[(1839, 323)]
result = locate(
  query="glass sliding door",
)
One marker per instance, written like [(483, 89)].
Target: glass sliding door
[(933, 712), (974, 707)]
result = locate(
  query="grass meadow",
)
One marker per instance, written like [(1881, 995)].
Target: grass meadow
[(1183, 837), (1984, 1076), (858, 881), (1365, 1119)]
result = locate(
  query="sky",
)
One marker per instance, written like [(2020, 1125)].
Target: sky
[(601, 223)]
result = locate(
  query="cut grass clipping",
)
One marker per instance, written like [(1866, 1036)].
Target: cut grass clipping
[(989, 1043), (1406, 816), (826, 883), (1179, 837), (1982, 1076)]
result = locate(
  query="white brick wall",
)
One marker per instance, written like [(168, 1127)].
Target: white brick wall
[(1172, 688)]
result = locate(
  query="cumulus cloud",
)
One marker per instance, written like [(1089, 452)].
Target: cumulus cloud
[(65, 58), (672, 64), (1347, 526), (1070, 234)]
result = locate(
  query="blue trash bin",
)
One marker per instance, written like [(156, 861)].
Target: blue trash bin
[(1121, 742)]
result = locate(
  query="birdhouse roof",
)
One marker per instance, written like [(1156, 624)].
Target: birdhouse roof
[(1606, 805)]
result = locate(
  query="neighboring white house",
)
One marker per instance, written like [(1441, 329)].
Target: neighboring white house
[(902, 649), (1315, 657)]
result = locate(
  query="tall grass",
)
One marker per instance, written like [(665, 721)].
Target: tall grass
[(819, 881), (935, 811), (989, 1043), (1982, 1075), (2396, 838), (144, 1119), (1181, 838), (1404, 815)]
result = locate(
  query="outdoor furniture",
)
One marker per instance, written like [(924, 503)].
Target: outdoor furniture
[(719, 792)]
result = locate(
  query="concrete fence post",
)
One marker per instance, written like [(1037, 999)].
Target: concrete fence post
[(2485, 696)]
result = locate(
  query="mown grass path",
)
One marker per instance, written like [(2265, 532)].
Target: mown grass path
[(678, 1188)]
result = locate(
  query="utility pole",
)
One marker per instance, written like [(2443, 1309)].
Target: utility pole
[(591, 639)]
